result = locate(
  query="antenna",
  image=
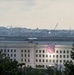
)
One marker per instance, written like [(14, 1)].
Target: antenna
[(55, 26), (70, 30), (11, 29)]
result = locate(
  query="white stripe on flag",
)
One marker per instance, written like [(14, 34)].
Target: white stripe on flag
[(50, 48)]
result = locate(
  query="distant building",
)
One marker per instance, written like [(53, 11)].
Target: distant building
[(35, 53)]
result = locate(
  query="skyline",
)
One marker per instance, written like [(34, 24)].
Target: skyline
[(42, 14)]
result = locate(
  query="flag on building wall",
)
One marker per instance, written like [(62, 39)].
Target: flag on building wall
[(50, 48)]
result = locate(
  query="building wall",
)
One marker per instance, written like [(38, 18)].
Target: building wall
[(35, 55)]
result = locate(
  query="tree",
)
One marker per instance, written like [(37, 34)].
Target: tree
[(21, 68), (72, 52), (7, 66), (69, 65), (50, 70)]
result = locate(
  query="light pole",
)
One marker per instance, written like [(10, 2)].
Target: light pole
[(55, 69), (25, 68)]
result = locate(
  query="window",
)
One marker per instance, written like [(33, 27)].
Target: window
[(60, 51), (14, 55), (67, 56), (39, 60), (49, 60), (56, 56), (14, 59), (50, 56), (60, 56), (36, 51), (21, 60), (43, 60), (39, 51), (43, 51), (56, 61), (64, 61), (11, 50), (39, 55), (21, 55), (28, 55), (28, 60), (4, 50), (36, 60), (53, 61), (64, 51), (53, 56), (36, 65), (57, 51), (67, 60), (63, 56), (46, 60), (8, 55), (43, 55), (67, 51), (8, 50), (14, 50), (46, 55), (25, 60), (25, 55), (71, 60), (11, 55), (28, 51), (42, 65), (60, 61), (21, 50), (36, 55), (25, 51)]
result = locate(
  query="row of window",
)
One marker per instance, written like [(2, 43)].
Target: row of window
[(61, 56), (42, 66), (25, 55), (52, 61), (39, 66), (43, 51), (13, 59), (8, 50), (62, 51), (57, 51), (25, 60), (25, 51), (11, 55)]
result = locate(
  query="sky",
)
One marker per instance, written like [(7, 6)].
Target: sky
[(43, 14)]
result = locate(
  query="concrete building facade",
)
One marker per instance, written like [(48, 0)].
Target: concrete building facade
[(35, 54)]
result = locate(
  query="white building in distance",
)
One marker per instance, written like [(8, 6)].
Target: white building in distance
[(33, 52)]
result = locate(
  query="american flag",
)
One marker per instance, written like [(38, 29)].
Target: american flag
[(50, 48)]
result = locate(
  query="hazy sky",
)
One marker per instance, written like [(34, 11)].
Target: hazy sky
[(37, 13)]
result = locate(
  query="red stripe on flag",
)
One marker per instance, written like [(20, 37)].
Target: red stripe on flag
[(50, 49)]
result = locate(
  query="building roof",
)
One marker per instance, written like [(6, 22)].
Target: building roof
[(23, 38)]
